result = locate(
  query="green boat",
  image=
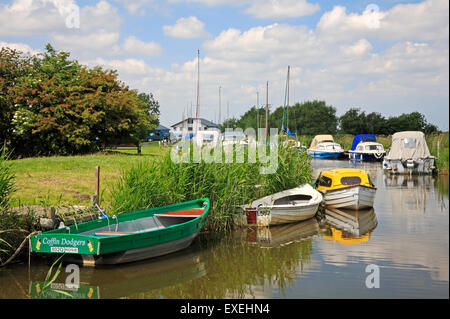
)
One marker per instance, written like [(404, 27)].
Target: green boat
[(126, 237)]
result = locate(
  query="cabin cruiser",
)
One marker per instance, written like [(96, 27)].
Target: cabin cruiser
[(366, 148), (323, 146), (346, 188), (409, 154)]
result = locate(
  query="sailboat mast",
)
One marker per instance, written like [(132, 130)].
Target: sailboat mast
[(287, 106), (220, 105), (267, 110), (257, 109), (198, 83)]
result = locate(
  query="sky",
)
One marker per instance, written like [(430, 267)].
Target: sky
[(384, 56)]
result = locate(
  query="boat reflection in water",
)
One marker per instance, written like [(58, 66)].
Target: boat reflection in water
[(280, 235), (349, 226), (129, 280), (409, 193)]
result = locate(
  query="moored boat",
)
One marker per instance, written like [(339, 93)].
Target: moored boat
[(366, 148), (346, 188), (323, 146), (409, 154), (127, 237), (289, 206)]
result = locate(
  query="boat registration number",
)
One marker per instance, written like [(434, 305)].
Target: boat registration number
[(64, 249), (263, 212)]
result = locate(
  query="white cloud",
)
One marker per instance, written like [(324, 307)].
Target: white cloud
[(81, 42), (134, 46), (125, 67), (29, 17), (98, 24), (22, 47), (99, 31), (186, 28), (359, 48), (426, 21), (281, 9), (346, 60), (266, 9)]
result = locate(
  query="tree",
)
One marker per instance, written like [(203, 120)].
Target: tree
[(312, 118), (62, 107), (13, 66), (353, 122)]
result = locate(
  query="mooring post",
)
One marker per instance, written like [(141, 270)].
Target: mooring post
[(97, 185)]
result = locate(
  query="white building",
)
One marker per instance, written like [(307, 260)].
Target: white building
[(207, 131)]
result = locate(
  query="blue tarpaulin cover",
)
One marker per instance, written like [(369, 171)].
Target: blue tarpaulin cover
[(290, 133), (361, 138)]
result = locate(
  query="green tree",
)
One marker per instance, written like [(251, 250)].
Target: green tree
[(62, 107), (312, 118), (353, 122), (13, 66)]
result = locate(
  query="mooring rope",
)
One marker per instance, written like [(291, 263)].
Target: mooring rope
[(19, 248)]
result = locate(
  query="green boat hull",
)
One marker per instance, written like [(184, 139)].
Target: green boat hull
[(127, 237)]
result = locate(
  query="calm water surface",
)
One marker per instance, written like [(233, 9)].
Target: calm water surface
[(406, 235)]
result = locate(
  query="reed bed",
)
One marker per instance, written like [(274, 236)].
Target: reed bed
[(439, 147), (158, 183)]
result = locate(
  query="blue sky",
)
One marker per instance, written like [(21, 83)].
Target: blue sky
[(381, 56)]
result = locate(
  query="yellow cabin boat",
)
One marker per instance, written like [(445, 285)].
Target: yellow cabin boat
[(346, 188)]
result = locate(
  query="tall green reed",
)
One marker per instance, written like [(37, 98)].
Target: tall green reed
[(6, 179), (227, 185)]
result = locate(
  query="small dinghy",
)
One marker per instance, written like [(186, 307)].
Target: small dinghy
[(127, 237), (289, 206), (346, 188)]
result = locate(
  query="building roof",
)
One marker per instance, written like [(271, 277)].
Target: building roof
[(162, 128), (202, 122)]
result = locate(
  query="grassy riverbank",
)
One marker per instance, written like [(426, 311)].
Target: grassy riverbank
[(70, 180)]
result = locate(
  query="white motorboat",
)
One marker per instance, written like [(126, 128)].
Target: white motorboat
[(289, 206)]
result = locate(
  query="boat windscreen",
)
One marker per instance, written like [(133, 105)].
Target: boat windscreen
[(350, 180)]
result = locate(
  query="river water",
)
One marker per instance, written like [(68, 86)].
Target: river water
[(400, 249)]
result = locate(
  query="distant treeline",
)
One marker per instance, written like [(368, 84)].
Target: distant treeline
[(316, 117), (51, 105)]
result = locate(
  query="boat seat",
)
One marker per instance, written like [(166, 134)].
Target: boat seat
[(191, 212), (112, 233)]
